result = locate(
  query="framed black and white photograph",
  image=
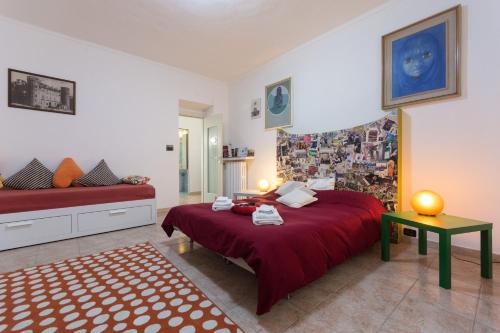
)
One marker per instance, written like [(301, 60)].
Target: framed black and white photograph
[(41, 93), (256, 108)]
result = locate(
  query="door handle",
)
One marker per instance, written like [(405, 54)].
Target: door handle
[(117, 211), (18, 224)]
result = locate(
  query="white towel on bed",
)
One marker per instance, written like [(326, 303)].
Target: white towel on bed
[(266, 214), (222, 203)]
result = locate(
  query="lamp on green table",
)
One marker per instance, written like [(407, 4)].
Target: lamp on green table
[(427, 202)]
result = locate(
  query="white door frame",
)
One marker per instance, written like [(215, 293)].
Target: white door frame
[(214, 120)]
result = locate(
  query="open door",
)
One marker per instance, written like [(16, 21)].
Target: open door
[(212, 158)]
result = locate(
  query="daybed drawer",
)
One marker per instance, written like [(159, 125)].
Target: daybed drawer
[(28, 232), (115, 218)]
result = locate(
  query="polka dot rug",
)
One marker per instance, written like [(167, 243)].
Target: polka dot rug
[(133, 289)]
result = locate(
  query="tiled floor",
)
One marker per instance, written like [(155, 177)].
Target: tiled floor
[(362, 295)]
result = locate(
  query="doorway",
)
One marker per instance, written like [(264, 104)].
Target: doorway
[(190, 160), (200, 153)]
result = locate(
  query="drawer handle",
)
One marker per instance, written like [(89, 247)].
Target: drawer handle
[(117, 211), (18, 224)]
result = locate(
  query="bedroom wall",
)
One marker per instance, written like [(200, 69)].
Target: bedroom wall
[(450, 146), (195, 153), (126, 108)]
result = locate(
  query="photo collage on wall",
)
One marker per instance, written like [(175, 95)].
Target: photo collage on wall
[(362, 158)]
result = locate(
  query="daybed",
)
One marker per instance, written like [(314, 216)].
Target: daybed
[(289, 256), (29, 217)]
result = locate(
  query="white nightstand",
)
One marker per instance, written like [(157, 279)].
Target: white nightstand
[(247, 194)]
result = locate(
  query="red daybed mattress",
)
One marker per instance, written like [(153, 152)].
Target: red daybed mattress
[(14, 201), (289, 256)]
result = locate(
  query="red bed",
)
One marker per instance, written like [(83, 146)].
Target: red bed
[(287, 257), (14, 201)]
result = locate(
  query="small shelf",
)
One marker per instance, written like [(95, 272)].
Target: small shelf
[(237, 159)]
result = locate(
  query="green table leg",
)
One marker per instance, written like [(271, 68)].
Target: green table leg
[(445, 260), (422, 241), (385, 237), (486, 254)]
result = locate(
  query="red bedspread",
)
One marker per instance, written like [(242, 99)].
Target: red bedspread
[(14, 201), (286, 257)]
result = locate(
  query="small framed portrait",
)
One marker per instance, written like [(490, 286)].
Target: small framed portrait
[(41, 93), (421, 62), (256, 108), (279, 104)]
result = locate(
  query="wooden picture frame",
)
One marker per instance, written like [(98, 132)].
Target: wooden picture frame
[(279, 100), (41, 93), (421, 62)]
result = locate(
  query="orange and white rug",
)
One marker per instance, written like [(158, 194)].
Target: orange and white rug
[(133, 289)]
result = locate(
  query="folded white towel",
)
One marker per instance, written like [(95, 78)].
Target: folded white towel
[(266, 214), (222, 199), (222, 203)]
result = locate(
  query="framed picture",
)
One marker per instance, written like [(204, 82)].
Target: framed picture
[(421, 62), (279, 104), (256, 108), (41, 93)]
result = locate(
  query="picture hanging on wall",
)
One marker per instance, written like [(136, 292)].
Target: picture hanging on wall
[(421, 62), (279, 104), (255, 112), (41, 93)]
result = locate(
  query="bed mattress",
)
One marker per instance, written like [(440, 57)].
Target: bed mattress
[(14, 201)]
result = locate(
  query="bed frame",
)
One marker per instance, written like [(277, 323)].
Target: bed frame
[(42, 226)]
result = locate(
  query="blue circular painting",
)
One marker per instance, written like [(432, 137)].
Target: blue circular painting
[(278, 99)]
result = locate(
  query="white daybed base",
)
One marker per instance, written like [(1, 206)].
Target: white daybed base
[(42, 226)]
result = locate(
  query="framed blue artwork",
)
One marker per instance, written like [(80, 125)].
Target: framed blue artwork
[(279, 104), (421, 62)]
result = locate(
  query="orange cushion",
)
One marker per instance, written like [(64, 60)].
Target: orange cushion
[(66, 173)]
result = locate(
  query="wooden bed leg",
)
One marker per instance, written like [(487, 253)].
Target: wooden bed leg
[(226, 261), (191, 243), (288, 296)]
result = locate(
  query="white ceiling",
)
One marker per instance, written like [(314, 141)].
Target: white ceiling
[(218, 38)]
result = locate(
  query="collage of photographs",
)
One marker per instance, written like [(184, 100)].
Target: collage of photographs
[(362, 158)]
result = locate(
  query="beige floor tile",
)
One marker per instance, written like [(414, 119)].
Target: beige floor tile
[(18, 258), (353, 309), (282, 317), (413, 315), (470, 284), (490, 289), (480, 328), (446, 299), (488, 314), (56, 251)]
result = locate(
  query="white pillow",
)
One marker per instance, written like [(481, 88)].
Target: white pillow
[(289, 186), (308, 191), (321, 184), (297, 198)]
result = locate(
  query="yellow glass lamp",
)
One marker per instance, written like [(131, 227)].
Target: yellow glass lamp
[(427, 203), (263, 185)]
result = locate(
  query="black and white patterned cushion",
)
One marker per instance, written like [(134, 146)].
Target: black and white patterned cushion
[(101, 175), (32, 177)]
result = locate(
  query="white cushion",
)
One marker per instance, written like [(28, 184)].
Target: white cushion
[(297, 198), (321, 184), (289, 186)]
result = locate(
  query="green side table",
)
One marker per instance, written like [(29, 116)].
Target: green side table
[(445, 226)]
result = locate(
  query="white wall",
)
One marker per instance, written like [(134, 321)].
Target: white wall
[(126, 108), (451, 146), (195, 153)]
